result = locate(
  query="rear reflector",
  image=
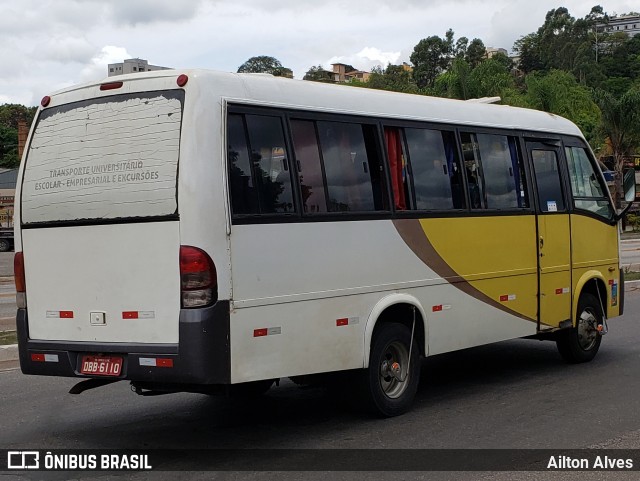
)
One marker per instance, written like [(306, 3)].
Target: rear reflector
[(18, 270), (139, 314), (156, 362), (198, 278), (37, 357), (260, 332), (59, 314)]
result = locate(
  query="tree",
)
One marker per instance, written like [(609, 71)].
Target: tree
[(318, 74), (454, 83), (528, 48), (488, 79), (10, 115), (559, 93), (501, 59), (265, 64), (620, 126), (395, 78), (460, 50), (556, 39), (430, 57), (476, 53)]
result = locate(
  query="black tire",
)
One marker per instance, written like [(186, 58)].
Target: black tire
[(389, 385), (5, 245), (581, 342)]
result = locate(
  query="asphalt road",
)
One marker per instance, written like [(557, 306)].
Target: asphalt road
[(515, 394)]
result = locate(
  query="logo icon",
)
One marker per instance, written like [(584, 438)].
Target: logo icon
[(23, 460)]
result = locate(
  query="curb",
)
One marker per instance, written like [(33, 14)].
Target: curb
[(9, 352)]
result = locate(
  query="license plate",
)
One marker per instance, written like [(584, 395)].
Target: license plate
[(101, 365)]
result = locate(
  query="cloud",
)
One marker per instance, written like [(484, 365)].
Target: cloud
[(152, 11), (366, 58), (65, 49), (96, 69)]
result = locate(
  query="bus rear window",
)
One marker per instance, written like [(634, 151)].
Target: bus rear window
[(109, 158)]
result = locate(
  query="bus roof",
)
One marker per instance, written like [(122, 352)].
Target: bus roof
[(267, 90)]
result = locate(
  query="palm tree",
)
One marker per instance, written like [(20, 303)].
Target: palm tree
[(620, 126)]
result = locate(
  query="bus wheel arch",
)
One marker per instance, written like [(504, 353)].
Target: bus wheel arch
[(581, 342), (592, 282), (395, 337), (397, 308)]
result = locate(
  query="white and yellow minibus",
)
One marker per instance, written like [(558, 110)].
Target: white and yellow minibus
[(196, 230)]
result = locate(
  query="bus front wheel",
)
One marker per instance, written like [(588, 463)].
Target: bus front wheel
[(581, 342), (390, 383)]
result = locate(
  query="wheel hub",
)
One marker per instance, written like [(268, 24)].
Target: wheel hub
[(587, 329)]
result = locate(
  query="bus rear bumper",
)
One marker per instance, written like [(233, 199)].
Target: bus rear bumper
[(201, 357)]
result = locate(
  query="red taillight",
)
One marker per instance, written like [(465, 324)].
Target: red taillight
[(182, 80), (111, 86), (21, 284), (198, 278), (45, 101)]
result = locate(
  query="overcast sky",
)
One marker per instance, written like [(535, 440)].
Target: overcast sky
[(46, 45)]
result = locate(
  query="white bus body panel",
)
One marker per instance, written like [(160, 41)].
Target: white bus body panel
[(335, 272), (107, 269)]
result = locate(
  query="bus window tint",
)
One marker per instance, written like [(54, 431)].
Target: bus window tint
[(244, 195), (305, 144), (436, 173), (588, 192), (502, 172), (494, 171), (473, 168), (270, 164), (545, 166), (351, 166)]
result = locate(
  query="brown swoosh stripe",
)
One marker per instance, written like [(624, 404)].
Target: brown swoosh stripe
[(414, 236)]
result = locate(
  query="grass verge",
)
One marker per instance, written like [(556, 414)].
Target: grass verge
[(8, 337), (631, 276)]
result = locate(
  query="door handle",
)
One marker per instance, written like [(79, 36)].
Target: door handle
[(541, 242)]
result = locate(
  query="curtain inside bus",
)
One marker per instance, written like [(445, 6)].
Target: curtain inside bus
[(394, 148)]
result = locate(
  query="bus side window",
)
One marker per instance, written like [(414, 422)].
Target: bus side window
[(495, 173), (473, 168), (352, 167), (545, 166), (435, 168), (244, 195), (589, 193), (307, 152), (270, 164)]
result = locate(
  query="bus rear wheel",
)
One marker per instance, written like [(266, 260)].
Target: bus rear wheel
[(581, 342), (389, 385)]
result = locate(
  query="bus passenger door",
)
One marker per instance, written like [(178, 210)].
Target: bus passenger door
[(554, 236)]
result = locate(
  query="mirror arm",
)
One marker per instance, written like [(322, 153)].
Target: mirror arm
[(623, 212)]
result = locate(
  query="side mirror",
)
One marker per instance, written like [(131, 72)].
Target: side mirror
[(629, 185)]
